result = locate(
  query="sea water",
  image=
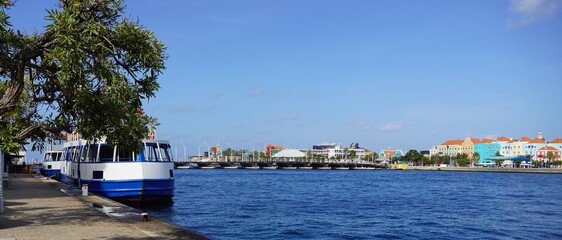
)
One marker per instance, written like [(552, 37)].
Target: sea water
[(366, 204)]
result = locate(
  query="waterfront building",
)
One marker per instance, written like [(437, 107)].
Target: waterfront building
[(504, 145), (448, 148), (359, 151), (533, 145), (271, 150), (542, 154), (486, 150), (391, 154), (467, 146), (327, 150), (513, 148), (557, 143)]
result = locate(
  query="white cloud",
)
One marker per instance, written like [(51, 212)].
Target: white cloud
[(529, 11), (391, 127)]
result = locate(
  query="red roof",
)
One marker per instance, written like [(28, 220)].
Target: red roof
[(485, 140), (524, 139), (537, 140), (391, 152), (453, 142), (475, 140), (558, 140), (548, 148), (503, 139)]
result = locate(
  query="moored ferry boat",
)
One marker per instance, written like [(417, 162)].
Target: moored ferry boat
[(113, 173), (52, 162), (52, 158)]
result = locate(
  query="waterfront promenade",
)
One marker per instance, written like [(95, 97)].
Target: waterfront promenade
[(481, 169), (40, 208)]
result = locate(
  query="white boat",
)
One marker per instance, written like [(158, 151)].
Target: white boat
[(52, 159), (342, 168), (212, 166), (188, 166), (324, 168), (253, 167), (289, 168), (270, 167), (305, 168), (51, 164), (234, 166), (113, 173)]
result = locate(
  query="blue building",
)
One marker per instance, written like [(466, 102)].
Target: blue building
[(486, 150)]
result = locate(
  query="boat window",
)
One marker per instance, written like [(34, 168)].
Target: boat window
[(76, 154), (123, 156), (165, 152), (52, 157), (93, 153), (106, 153), (67, 154), (84, 153), (157, 152), (97, 174)]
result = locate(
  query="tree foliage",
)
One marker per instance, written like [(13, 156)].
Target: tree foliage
[(89, 72), (413, 156)]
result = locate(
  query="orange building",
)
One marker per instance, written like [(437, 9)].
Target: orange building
[(271, 149)]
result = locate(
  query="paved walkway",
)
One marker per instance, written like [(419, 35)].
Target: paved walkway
[(38, 209)]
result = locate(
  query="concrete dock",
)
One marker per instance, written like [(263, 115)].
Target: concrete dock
[(481, 169), (40, 208)]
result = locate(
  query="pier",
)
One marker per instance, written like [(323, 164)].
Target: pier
[(40, 208), (282, 164)]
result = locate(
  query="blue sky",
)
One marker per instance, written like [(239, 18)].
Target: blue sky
[(398, 74)]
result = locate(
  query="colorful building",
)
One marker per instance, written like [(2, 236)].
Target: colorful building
[(327, 150), (486, 150), (448, 148), (391, 154), (271, 150), (507, 147), (542, 154)]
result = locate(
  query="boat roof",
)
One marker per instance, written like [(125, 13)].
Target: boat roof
[(81, 142)]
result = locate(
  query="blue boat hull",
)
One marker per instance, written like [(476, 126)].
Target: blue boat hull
[(49, 172), (135, 189)]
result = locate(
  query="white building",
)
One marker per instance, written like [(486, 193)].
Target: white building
[(327, 150)]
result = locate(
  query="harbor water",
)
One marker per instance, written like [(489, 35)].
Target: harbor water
[(363, 204)]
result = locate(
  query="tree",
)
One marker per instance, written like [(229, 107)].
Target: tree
[(427, 161), (413, 156), (89, 72), (152, 123), (475, 158), (550, 156)]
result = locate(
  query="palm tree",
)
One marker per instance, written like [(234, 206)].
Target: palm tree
[(550, 156), (475, 158), (152, 124)]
